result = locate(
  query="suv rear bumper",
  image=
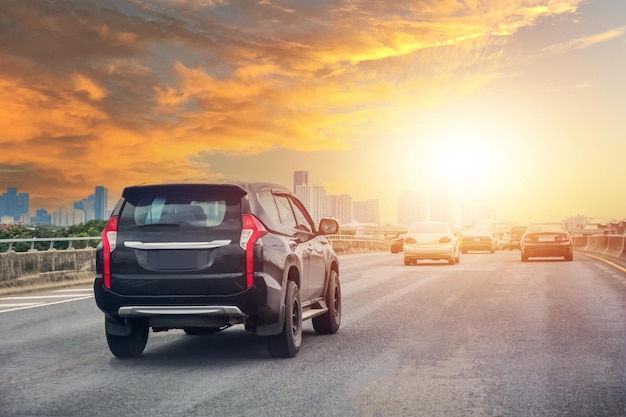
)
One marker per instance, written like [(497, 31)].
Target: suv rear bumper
[(261, 303), (149, 311)]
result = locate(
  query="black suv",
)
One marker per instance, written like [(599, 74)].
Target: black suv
[(203, 257)]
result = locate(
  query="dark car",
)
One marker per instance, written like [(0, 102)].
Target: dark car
[(547, 240), (478, 239), (204, 257), (397, 243), (516, 234)]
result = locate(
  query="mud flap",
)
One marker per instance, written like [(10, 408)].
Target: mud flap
[(117, 326)]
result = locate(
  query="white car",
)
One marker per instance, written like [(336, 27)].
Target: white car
[(431, 240)]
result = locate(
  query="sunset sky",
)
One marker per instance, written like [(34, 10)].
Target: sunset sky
[(521, 103)]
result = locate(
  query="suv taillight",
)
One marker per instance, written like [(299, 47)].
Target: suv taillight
[(252, 230), (109, 238)]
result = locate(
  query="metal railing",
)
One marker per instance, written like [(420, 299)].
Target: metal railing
[(52, 240), (351, 243)]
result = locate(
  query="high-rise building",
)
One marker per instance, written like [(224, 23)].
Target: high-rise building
[(314, 199), (67, 217), (412, 207), (87, 205), (340, 208), (94, 206), (100, 203), (300, 178), (13, 204), (42, 218), (367, 211)]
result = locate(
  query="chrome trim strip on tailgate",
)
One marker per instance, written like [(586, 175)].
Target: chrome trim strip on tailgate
[(177, 245), (147, 311)]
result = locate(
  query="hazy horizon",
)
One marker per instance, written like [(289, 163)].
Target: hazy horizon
[(518, 103)]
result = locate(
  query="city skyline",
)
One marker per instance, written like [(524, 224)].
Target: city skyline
[(412, 206), (518, 104), (15, 208)]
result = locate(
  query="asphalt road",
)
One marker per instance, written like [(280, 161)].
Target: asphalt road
[(490, 336)]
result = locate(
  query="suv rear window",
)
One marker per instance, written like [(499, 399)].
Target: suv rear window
[(182, 206)]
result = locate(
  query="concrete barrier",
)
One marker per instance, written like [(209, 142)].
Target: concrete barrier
[(20, 269), (597, 244), (580, 241), (613, 246)]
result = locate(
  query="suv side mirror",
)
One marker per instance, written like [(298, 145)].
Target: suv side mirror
[(328, 227)]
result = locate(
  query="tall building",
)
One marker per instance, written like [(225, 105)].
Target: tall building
[(67, 217), (42, 218), (314, 199), (87, 205), (340, 207), (94, 206), (300, 178), (412, 207), (100, 203), (367, 211), (13, 204)]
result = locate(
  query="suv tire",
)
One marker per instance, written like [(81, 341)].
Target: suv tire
[(287, 343), (132, 345), (328, 323)]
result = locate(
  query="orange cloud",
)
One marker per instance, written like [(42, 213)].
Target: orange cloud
[(82, 83), (103, 92), (585, 42)]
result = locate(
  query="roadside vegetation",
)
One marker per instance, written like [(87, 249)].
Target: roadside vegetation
[(88, 229)]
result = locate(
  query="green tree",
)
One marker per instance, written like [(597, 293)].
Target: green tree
[(17, 232)]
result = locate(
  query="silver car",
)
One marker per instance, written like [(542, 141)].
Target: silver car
[(431, 240)]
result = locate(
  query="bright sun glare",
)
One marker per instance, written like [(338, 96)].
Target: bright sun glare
[(466, 159)]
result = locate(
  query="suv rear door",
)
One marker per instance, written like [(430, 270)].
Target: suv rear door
[(179, 240)]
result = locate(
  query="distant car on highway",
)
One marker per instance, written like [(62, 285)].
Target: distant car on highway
[(431, 240), (204, 257), (478, 239), (516, 234), (501, 241), (397, 243), (547, 240)]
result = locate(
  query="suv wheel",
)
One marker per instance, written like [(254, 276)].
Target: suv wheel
[(328, 323), (287, 343), (132, 345)]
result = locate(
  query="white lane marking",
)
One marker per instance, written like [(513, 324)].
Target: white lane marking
[(386, 300), (18, 304), (450, 300), (47, 304), (75, 290), (35, 297)]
